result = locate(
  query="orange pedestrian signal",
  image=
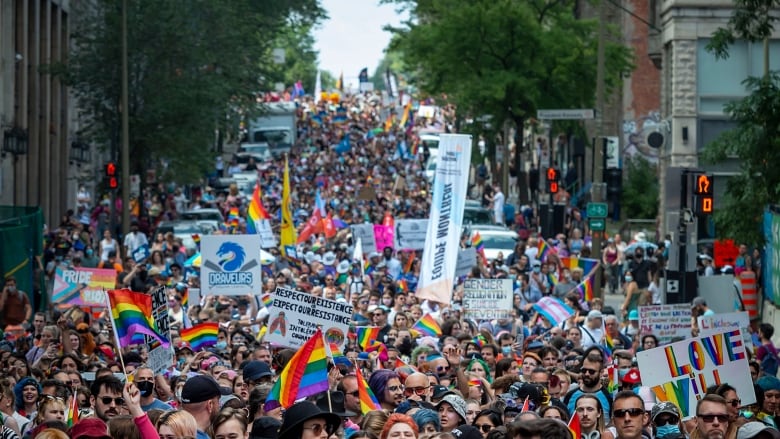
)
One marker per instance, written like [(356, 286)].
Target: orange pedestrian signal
[(706, 205), (703, 185), (552, 174)]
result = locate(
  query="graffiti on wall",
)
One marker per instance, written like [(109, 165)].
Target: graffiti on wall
[(635, 133)]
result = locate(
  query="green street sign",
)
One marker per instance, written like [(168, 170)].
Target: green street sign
[(597, 210), (597, 224)]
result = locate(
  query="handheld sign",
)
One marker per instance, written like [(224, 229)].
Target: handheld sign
[(487, 299), (667, 322), (294, 317), (141, 253)]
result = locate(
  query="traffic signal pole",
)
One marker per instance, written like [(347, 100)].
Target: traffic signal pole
[(597, 190)]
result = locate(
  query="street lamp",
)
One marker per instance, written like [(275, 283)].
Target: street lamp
[(15, 141)]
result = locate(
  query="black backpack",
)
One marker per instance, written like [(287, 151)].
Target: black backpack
[(769, 363)]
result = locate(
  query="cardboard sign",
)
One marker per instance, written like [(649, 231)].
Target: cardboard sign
[(681, 372), (266, 233), (231, 265), (141, 253), (367, 193), (366, 234), (487, 299), (82, 286), (666, 322), (383, 236), (160, 358), (294, 317), (467, 259), (709, 325), (410, 234)]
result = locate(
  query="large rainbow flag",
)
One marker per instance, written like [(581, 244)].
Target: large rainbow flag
[(586, 264), (201, 336), (585, 288), (366, 335), (131, 314), (255, 211), (306, 374), (427, 325)]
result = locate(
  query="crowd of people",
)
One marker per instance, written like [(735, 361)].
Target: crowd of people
[(62, 374)]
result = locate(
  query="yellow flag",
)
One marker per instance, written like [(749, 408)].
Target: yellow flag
[(405, 115), (288, 234)]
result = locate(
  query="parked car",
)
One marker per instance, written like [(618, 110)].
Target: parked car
[(474, 213), (185, 229), (495, 240)]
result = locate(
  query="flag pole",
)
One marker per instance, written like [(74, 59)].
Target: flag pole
[(116, 336), (327, 349)]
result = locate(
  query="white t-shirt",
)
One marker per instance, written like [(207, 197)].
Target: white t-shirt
[(135, 240), (498, 207)]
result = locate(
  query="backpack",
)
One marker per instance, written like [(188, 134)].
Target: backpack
[(770, 362)]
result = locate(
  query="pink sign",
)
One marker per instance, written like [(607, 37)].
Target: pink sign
[(383, 236)]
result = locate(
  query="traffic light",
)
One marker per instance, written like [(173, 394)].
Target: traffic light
[(613, 177), (703, 191), (552, 180), (111, 178)]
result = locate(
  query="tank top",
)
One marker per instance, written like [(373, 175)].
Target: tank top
[(355, 285), (107, 246), (611, 255)]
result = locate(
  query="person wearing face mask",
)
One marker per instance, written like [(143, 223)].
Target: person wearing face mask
[(14, 303), (90, 259), (144, 380), (632, 293), (565, 284)]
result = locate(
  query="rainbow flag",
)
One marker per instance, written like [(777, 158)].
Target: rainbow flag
[(613, 384), (480, 341), (403, 286), (609, 345), (368, 401), (255, 212), (378, 347), (427, 325), (73, 410), (474, 382), (574, 426), (267, 300), (415, 146), (201, 336), (586, 264), (306, 374), (476, 242), (544, 250), (366, 334), (405, 114), (131, 314), (338, 358), (585, 288), (196, 240), (552, 279)]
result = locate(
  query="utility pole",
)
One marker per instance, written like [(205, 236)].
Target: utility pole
[(597, 189), (125, 147)]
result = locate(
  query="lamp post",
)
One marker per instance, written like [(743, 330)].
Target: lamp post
[(15, 141)]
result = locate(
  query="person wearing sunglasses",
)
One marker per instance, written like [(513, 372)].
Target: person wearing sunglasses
[(712, 417), (305, 420), (733, 403), (666, 421), (629, 415), (418, 387), (487, 420), (386, 385), (590, 382), (107, 397)]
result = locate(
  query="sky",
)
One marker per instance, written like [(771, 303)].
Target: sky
[(352, 38)]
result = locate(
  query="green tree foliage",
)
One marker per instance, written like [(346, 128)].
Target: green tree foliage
[(505, 58), (193, 66), (640, 189), (756, 139)]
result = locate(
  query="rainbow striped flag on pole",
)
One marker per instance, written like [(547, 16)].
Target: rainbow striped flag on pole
[(306, 374), (201, 336), (427, 325), (366, 335), (368, 401), (131, 314)]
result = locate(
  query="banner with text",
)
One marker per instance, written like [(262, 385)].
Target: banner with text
[(383, 235), (487, 299), (82, 286), (681, 372), (231, 265), (160, 358), (366, 234), (266, 233), (730, 321), (667, 322), (294, 317), (442, 239), (410, 234)]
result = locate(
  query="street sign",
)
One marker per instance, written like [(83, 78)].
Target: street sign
[(576, 114), (597, 224), (597, 210)]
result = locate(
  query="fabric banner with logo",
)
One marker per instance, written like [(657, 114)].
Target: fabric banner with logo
[(230, 265), (450, 184)]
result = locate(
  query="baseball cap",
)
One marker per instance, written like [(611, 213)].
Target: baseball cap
[(254, 370), (200, 388), (440, 392), (752, 429), (466, 432), (664, 407), (595, 314)]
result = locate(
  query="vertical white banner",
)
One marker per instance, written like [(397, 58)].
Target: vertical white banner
[(450, 185)]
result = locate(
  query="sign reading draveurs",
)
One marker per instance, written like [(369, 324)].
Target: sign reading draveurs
[(487, 299), (667, 322), (294, 317), (231, 265), (442, 240), (160, 358), (681, 372)]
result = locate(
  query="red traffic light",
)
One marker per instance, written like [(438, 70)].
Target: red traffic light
[(113, 183), (553, 187), (552, 174), (111, 169)]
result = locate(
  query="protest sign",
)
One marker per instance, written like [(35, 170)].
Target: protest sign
[(366, 234), (467, 259), (141, 253), (160, 358), (681, 372), (410, 234), (667, 322), (82, 286), (487, 299), (709, 325), (231, 265), (267, 237), (294, 317), (383, 235)]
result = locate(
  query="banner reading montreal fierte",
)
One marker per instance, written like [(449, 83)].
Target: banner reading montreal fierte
[(450, 184)]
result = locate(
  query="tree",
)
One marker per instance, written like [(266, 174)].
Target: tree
[(756, 139), (192, 65), (640, 189)]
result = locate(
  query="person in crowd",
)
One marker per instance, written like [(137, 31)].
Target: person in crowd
[(712, 417)]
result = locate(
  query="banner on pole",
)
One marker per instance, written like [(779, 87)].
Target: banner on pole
[(366, 234), (160, 358), (467, 259), (410, 234)]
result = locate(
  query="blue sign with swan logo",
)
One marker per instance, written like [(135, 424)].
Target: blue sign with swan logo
[(231, 264)]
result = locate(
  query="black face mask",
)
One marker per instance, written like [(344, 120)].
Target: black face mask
[(145, 387)]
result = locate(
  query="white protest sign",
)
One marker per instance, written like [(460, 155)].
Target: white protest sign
[(681, 372), (193, 296), (410, 234), (730, 321), (294, 317), (231, 265), (160, 358), (467, 259), (487, 299), (666, 322), (366, 234), (267, 237)]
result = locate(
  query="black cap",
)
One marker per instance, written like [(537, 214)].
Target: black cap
[(265, 427), (440, 392), (254, 370), (200, 388)]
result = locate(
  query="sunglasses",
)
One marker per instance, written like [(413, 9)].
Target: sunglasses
[(485, 427), (356, 393), (735, 403), (709, 419), (440, 369), (419, 391), (317, 429), (107, 400), (587, 371), (672, 420), (397, 388), (621, 413)]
